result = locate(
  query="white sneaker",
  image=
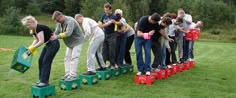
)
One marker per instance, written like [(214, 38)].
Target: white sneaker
[(168, 66), (116, 66), (139, 73), (156, 70), (148, 73)]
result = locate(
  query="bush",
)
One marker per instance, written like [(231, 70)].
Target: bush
[(11, 22)]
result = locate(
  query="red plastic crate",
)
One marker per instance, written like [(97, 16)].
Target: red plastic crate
[(191, 63), (161, 74), (173, 69), (194, 34), (185, 66), (144, 79), (168, 72), (154, 74)]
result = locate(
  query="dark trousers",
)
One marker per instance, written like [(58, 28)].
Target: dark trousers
[(185, 49), (45, 60), (129, 43), (171, 55), (120, 48), (109, 48), (156, 49)]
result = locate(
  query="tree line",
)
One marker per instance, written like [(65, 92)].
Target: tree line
[(211, 12)]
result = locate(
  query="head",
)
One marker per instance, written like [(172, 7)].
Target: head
[(30, 22), (173, 15), (118, 13), (79, 18), (181, 13), (178, 21), (58, 17), (199, 24), (167, 14), (154, 18), (166, 21), (107, 8)]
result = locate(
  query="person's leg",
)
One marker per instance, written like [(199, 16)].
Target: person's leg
[(173, 48), (92, 49), (185, 49), (99, 54), (75, 59), (138, 50), (67, 61), (112, 48), (163, 55), (40, 62), (147, 51), (51, 49), (190, 54), (129, 42), (154, 46), (122, 49), (105, 49)]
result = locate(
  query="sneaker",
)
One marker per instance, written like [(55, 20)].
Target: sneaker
[(116, 66), (89, 73), (148, 73), (65, 76), (156, 69), (101, 69), (168, 66), (139, 73), (41, 84), (38, 82), (70, 78), (112, 67)]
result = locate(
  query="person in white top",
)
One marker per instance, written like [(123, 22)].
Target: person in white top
[(96, 36), (187, 20), (191, 43)]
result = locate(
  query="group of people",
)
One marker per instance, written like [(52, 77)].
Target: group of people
[(110, 40)]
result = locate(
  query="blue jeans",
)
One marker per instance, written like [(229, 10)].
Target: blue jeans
[(120, 46), (163, 49), (190, 51), (185, 49), (143, 66), (45, 60)]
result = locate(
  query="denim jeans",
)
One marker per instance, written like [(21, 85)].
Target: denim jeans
[(191, 55), (45, 60), (140, 43), (185, 49), (120, 46)]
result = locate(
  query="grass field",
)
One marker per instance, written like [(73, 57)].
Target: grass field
[(213, 76)]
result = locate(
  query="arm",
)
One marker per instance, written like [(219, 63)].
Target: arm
[(38, 41), (162, 31), (87, 28)]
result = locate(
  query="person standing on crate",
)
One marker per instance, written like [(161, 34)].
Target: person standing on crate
[(69, 30), (96, 36), (41, 35), (191, 43)]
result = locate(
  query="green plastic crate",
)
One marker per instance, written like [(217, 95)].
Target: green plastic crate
[(19, 63), (42, 92), (69, 85), (89, 79), (104, 75)]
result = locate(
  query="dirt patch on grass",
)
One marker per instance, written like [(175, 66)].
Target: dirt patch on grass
[(6, 49)]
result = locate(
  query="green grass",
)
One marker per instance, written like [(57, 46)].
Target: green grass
[(213, 76)]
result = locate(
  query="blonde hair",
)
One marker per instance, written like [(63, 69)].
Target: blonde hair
[(119, 11), (28, 19)]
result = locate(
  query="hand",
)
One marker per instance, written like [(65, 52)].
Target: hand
[(111, 21), (170, 39), (151, 32), (53, 37)]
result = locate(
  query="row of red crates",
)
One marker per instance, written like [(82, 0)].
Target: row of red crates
[(194, 34), (163, 73)]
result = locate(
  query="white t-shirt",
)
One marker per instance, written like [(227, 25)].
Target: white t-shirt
[(193, 26), (90, 27), (186, 26), (172, 28)]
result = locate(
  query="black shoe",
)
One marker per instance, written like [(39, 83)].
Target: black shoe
[(41, 84), (101, 69), (89, 73)]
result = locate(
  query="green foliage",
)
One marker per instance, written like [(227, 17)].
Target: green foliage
[(72, 7), (11, 22), (92, 9), (49, 6), (33, 8)]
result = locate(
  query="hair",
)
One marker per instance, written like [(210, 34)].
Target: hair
[(119, 11), (167, 14), (179, 19), (173, 15), (28, 19), (56, 14), (107, 5), (156, 17), (181, 10), (167, 20), (78, 15)]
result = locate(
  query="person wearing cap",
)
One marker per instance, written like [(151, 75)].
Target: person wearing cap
[(69, 30), (41, 34), (96, 36)]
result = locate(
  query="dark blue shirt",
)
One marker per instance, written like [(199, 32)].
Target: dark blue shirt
[(109, 29)]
